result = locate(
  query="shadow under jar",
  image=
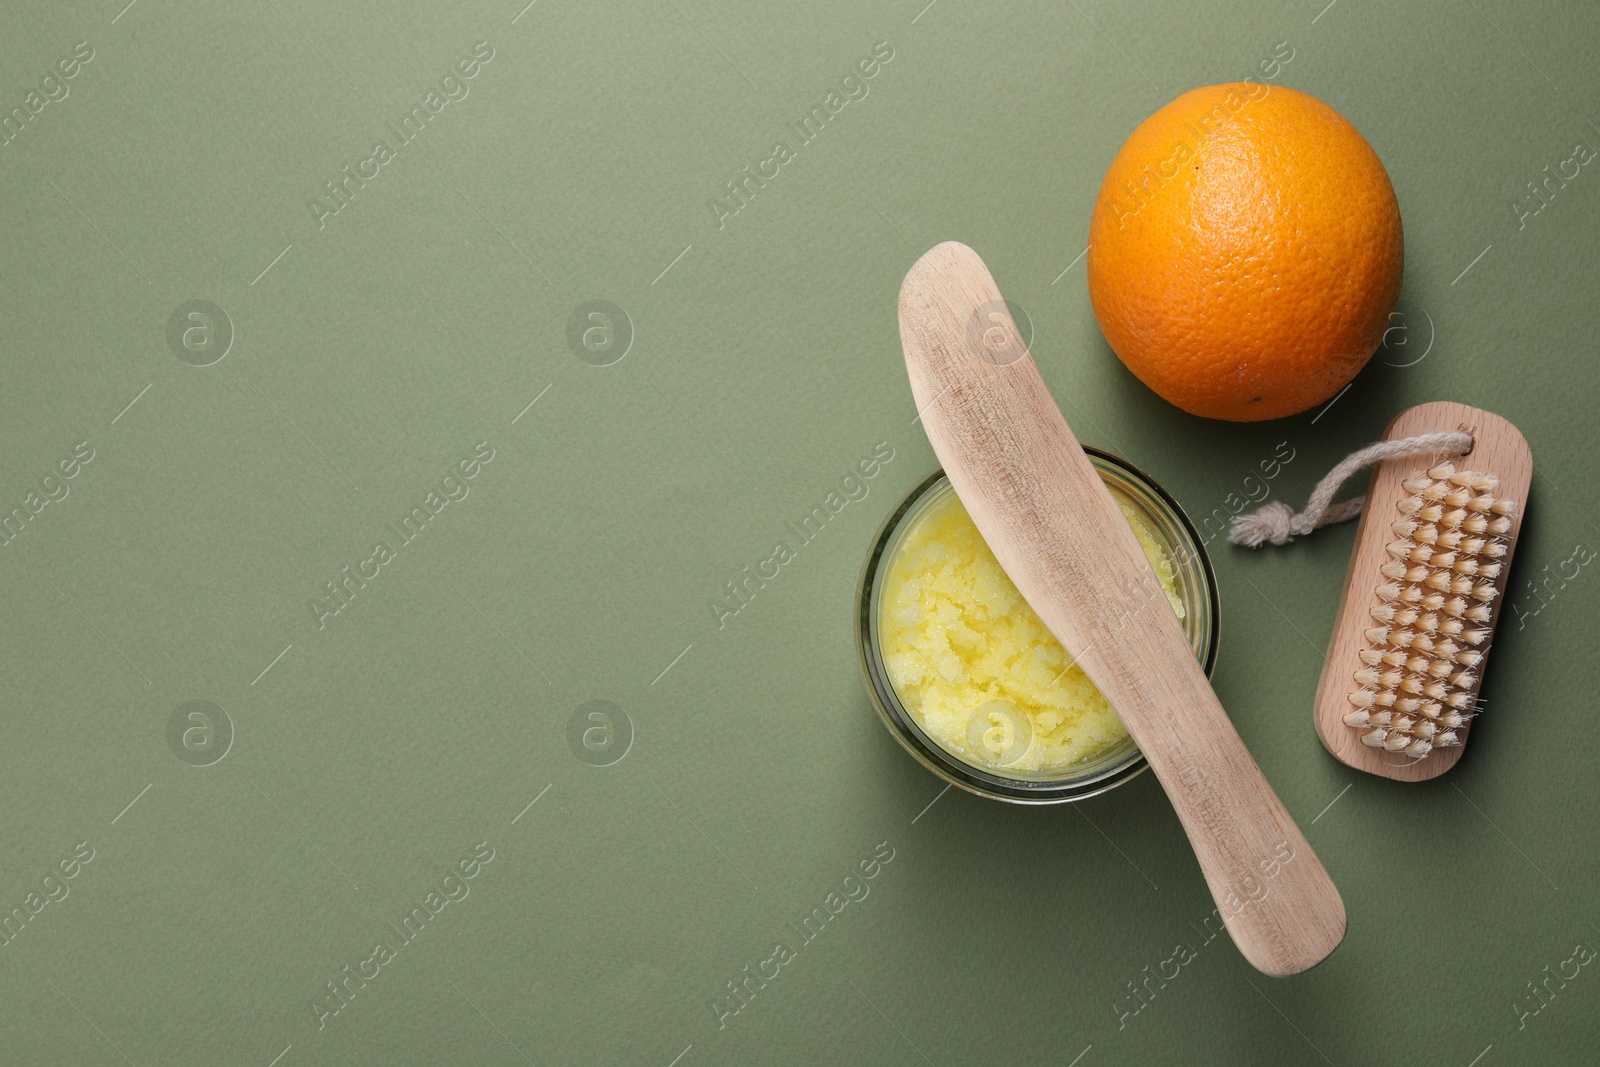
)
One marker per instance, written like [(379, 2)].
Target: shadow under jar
[(1193, 584)]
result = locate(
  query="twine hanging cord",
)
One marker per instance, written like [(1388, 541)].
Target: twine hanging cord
[(1278, 523)]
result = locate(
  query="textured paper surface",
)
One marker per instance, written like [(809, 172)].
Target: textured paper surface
[(270, 376)]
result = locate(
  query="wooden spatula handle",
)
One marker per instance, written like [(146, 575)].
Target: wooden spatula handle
[(1060, 536)]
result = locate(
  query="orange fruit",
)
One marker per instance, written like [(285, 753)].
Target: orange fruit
[(1245, 252)]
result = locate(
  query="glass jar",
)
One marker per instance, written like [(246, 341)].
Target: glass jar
[(1196, 587)]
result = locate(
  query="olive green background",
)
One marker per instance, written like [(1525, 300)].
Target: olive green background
[(374, 753)]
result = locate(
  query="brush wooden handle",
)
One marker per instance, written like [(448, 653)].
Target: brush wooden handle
[(1498, 448), (1061, 538)]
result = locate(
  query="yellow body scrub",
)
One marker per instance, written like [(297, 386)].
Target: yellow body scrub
[(973, 663)]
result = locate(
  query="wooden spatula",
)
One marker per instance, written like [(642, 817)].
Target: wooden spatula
[(1061, 538)]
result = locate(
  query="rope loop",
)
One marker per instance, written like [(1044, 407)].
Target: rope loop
[(1277, 523)]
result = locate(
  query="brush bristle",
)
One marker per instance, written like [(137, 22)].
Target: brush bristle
[(1415, 689)]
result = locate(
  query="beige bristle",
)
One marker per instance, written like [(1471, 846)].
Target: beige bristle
[(1398, 638), (1372, 677), (1418, 675), (1405, 550)]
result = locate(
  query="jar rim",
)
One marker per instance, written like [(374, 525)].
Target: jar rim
[(1178, 535)]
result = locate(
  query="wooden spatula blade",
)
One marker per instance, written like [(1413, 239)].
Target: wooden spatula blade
[(1060, 536)]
